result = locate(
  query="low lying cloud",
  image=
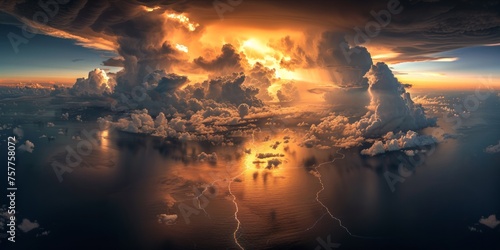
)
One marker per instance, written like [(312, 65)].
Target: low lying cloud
[(490, 222), (211, 158), (288, 93), (399, 141), (96, 84), (167, 219), (493, 149), (26, 225), (28, 146)]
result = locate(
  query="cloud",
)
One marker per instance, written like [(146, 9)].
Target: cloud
[(114, 62), (492, 149), (423, 27), (390, 110), (28, 146), (347, 66), (243, 109), (18, 132), (211, 158), (273, 163), (391, 107), (444, 28), (298, 57), (334, 131), (170, 82), (261, 77), (288, 93), (347, 99), (399, 141), (26, 225), (230, 89), (167, 219), (227, 62), (96, 84), (490, 222)]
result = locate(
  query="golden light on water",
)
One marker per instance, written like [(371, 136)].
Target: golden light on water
[(105, 141)]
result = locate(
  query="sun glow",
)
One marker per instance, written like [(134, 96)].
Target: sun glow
[(149, 9), (182, 48), (257, 51), (184, 20)]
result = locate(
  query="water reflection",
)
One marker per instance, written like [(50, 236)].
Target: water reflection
[(275, 203)]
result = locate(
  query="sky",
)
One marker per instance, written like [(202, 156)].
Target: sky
[(429, 44)]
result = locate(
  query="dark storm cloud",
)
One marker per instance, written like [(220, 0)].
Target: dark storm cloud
[(141, 39), (421, 29), (229, 59), (262, 78), (347, 66), (230, 89), (428, 27), (113, 62), (170, 82)]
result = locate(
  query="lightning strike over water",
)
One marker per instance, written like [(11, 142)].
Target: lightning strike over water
[(235, 213), (318, 175), (236, 203)]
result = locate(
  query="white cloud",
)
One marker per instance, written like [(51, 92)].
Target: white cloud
[(212, 158), (96, 84), (490, 222), (27, 146), (492, 149), (26, 225), (399, 141), (167, 219), (391, 107)]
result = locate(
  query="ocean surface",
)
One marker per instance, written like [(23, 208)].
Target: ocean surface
[(296, 198)]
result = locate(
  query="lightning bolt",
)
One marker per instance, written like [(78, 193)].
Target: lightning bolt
[(318, 175), (237, 209), (235, 214), (198, 199)]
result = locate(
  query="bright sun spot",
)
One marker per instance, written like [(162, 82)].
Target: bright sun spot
[(184, 20), (149, 9), (182, 48), (256, 51)]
